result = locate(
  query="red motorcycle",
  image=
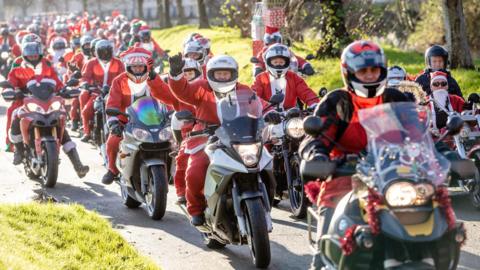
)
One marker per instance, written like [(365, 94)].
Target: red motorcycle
[(42, 124)]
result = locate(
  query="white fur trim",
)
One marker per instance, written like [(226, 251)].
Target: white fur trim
[(68, 146), (15, 138), (195, 149), (437, 78)]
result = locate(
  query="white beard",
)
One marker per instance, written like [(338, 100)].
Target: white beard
[(440, 97), (138, 89)]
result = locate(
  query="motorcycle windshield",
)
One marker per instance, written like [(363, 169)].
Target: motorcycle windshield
[(42, 91), (149, 111), (241, 118), (400, 145)]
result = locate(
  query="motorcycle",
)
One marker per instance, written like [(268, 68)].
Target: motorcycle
[(143, 157), (42, 124), (398, 215), (239, 183), (99, 125), (5, 60), (285, 138)]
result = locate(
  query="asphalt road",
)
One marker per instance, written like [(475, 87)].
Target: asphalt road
[(172, 243)]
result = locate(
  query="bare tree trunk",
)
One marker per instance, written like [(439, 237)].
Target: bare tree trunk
[(456, 34), (181, 13), (293, 17), (160, 17), (202, 15), (245, 17), (166, 5), (85, 5), (140, 8)]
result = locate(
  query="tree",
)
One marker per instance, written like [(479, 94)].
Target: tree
[(456, 34), (166, 5), (160, 17), (293, 18), (181, 13), (140, 8), (23, 4), (333, 33), (202, 15), (85, 5)]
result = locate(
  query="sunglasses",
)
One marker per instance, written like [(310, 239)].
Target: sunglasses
[(437, 84)]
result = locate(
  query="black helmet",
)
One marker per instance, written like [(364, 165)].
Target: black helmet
[(104, 50), (93, 43), (32, 49), (4, 31), (436, 50)]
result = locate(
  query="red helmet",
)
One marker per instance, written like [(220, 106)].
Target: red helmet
[(137, 56), (362, 54)]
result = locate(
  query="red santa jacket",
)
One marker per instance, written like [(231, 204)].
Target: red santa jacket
[(16, 50), (22, 72), (120, 96), (10, 40), (201, 96), (295, 88), (93, 73)]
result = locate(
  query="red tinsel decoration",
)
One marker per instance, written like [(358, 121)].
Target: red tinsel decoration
[(312, 189), (445, 203), (373, 200), (348, 240)]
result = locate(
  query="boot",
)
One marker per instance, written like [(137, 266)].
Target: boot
[(74, 125), (18, 154), (181, 200), (109, 177), (198, 220), (86, 138), (77, 164)]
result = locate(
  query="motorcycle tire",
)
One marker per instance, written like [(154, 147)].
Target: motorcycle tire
[(50, 168), (212, 243), (128, 201), (156, 196), (257, 232), (475, 192), (298, 200)]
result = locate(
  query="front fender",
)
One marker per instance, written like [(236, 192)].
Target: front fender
[(146, 164)]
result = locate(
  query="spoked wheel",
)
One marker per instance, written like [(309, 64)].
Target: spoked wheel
[(49, 170), (257, 232), (212, 243), (156, 196), (298, 199), (128, 201)]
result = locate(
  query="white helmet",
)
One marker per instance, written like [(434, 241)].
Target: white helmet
[(222, 62), (195, 47), (280, 51), (395, 75), (192, 64)]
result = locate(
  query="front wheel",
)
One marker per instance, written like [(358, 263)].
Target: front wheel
[(156, 196), (257, 232), (128, 201), (50, 164), (298, 200)]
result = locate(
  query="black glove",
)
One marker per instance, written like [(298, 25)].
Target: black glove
[(61, 59), (273, 117), (19, 95), (152, 74), (116, 128), (308, 70), (176, 65)]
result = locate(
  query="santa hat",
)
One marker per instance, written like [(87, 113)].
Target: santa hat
[(271, 30), (133, 54), (438, 76), (271, 33)]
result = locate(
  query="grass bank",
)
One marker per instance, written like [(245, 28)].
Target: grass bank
[(55, 236), (228, 41)]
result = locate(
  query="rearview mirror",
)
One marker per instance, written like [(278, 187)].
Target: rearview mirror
[(5, 84), (454, 125), (323, 92), (276, 99), (309, 57), (254, 60), (73, 82), (184, 115), (474, 98), (312, 125)]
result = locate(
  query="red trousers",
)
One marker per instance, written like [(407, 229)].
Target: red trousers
[(195, 178), (16, 104), (113, 145), (75, 109), (86, 106), (181, 163)]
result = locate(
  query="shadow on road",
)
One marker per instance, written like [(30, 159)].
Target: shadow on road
[(299, 224), (468, 261), (464, 209)]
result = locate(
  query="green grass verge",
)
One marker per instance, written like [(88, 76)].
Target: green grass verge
[(228, 41), (55, 236)]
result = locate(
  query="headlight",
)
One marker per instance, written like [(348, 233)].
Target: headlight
[(248, 153), (165, 134), (32, 107), (55, 106), (141, 135), (4, 55), (294, 128), (402, 194)]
